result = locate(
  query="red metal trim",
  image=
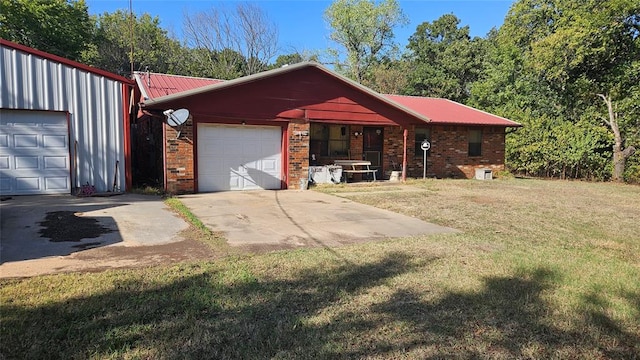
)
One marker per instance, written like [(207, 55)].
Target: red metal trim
[(164, 156), (405, 134), (127, 137), (225, 120), (71, 167), (194, 145), (65, 61), (284, 180)]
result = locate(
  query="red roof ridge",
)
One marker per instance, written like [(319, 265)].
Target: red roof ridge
[(176, 75), (416, 96)]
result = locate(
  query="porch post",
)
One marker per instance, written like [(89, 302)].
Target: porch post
[(404, 155)]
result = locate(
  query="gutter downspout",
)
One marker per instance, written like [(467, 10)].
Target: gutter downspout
[(404, 155)]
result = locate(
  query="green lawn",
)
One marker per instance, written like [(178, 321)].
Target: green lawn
[(541, 269)]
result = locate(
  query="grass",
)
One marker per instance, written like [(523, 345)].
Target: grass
[(198, 229), (541, 269)]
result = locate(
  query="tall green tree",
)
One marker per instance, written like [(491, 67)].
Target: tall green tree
[(444, 60), (364, 29), (561, 66), (60, 27), (153, 48), (593, 51)]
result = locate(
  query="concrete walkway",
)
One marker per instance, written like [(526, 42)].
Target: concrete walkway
[(300, 218)]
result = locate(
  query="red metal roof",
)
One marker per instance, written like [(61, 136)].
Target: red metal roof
[(56, 58), (437, 110), (443, 111), (154, 85)]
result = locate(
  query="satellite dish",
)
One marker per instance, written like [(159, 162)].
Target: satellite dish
[(178, 117)]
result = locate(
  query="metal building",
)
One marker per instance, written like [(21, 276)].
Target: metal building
[(62, 124)]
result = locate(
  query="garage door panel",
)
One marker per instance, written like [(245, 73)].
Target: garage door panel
[(233, 158), (34, 153), (29, 141), (56, 183), (269, 165), (55, 162), (26, 162), (54, 141), (28, 184), (5, 184)]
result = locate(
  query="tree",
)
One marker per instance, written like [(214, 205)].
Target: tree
[(445, 61), (594, 50), (620, 153), (550, 60), (219, 35), (60, 27), (153, 49), (365, 30), (293, 58), (388, 76)]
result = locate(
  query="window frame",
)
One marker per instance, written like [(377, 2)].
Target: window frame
[(474, 139), (418, 152), (331, 135)]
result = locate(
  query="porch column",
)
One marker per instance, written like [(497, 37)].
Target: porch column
[(404, 154)]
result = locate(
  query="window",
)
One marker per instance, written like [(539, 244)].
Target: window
[(475, 142), (422, 134), (329, 140)]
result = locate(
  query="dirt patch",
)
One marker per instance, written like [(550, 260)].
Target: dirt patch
[(186, 250), (70, 226)]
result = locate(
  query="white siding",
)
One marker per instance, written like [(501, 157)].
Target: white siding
[(94, 103)]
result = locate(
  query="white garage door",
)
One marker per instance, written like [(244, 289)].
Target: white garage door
[(239, 157), (34, 153)]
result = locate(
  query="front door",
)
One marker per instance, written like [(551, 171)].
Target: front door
[(372, 147)]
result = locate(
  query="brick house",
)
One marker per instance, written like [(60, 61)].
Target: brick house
[(264, 130)]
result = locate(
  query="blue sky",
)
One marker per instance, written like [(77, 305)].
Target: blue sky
[(300, 22)]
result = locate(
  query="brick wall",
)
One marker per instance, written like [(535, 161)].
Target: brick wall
[(448, 157), (298, 153), (179, 159)]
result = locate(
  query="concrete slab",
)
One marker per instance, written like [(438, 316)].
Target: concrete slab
[(300, 218), (129, 221)]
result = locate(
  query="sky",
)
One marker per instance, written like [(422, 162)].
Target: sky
[(301, 25)]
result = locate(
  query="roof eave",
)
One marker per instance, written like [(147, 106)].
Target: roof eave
[(454, 123), (141, 86)]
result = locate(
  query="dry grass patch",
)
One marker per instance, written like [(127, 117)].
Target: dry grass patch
[(538, 272)]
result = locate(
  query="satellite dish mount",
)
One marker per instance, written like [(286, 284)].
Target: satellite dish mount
[(177, 118)]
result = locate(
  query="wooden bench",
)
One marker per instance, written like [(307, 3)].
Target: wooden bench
[(356, 167)]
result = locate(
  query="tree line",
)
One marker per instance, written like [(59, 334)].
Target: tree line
[(568, 70)]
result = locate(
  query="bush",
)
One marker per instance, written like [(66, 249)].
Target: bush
[(632, 174)]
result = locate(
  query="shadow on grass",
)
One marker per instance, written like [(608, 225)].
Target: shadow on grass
[(200, 316), (507, 319)]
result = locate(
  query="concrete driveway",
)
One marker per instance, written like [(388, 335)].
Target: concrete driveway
[(286, 219), (46, 234)]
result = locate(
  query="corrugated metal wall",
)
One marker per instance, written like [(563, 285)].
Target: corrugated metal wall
[(95, 105)]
